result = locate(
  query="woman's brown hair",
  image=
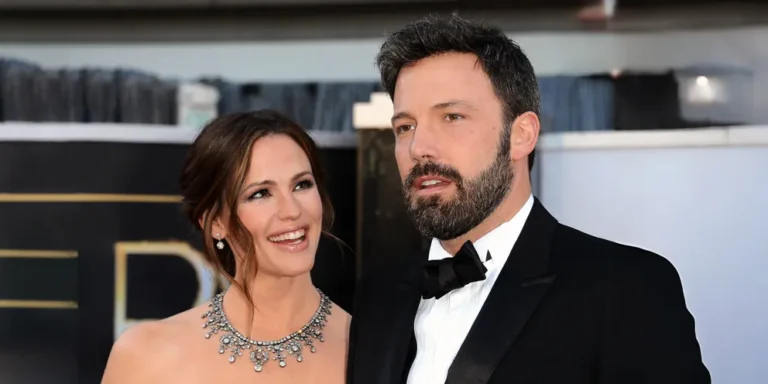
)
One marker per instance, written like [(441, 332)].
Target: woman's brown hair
[(214, 172)]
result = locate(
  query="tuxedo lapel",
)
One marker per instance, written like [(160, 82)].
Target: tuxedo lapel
[(521, 284), (384, 333)]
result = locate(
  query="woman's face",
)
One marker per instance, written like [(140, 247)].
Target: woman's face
[(280, 206)]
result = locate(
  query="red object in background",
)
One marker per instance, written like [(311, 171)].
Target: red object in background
[(601, 11)]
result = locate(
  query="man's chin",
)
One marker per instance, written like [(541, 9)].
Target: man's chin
[(431, 201), (434, 227)]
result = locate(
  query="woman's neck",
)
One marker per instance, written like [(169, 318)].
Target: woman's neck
[(280, 305)]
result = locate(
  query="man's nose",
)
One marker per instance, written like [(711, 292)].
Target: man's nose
[(424, 144)]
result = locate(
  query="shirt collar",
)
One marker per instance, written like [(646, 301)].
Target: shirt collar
[(498, 241)]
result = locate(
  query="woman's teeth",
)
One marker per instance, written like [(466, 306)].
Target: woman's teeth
[(288, 236)]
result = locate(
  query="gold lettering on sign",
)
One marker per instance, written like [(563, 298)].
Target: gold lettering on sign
[(86, 198), (208, 280), (38, 254)]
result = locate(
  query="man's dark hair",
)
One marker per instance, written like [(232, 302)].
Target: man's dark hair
[(509, 70)]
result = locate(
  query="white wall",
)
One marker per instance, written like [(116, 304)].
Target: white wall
[(700, 199)]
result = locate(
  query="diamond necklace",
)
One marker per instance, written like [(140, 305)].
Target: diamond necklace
[(232, 341)]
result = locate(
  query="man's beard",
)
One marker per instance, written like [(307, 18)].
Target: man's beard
[(475, 199)]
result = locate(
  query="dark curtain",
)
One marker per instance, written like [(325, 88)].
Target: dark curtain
[(17, 82), (646, 101), (315, 106), (333, 107), (30, 93), (294, 100), (573, 103), (144, 98), (230, 95)]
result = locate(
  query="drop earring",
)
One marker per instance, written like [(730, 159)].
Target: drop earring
[(219, 244)]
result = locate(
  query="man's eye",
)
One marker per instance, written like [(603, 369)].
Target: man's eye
[(404, 128), (453, 117)]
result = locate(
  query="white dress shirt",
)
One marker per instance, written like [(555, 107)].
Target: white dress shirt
[(441, 325)]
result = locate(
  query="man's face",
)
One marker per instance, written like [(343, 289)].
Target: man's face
[(452, 146)]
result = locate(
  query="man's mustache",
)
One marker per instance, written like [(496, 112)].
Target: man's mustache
[(433, 169)]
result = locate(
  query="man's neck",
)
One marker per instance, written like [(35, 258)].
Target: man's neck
[(503, 213)]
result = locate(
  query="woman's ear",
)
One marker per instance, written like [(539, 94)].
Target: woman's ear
[(525, 134), (218, 231)]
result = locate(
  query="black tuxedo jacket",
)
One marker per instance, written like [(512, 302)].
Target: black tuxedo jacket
[(566, 308)]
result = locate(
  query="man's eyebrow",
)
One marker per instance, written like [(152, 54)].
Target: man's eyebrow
[(452, 103), (441, 105), (401, 115)]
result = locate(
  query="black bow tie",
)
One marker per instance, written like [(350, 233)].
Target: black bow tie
[(443, 276)]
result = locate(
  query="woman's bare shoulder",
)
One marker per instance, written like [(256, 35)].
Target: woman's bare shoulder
[(146, 351), (341, 318)]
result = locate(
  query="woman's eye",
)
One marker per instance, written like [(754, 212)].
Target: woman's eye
[(306, 184), (260, 194)]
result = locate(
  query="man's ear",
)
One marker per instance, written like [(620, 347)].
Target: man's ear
[(525, 134)]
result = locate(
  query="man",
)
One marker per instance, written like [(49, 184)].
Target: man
[(506, 294)]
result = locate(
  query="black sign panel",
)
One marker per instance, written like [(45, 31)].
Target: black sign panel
[(92, 240), (383, 216)]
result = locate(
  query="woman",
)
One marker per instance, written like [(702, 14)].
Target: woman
[(253, 186)]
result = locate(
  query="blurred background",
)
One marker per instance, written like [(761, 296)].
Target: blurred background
[(655, 120)]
